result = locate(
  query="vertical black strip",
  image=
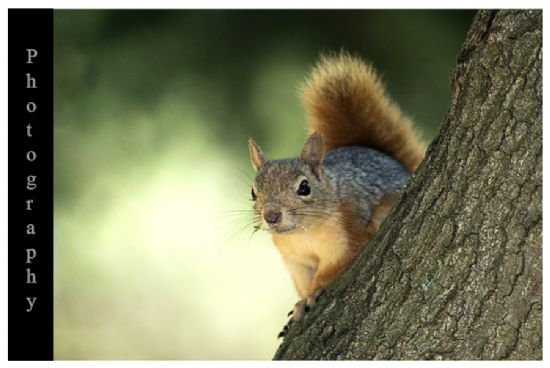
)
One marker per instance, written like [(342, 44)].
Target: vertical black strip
[(30, 184)]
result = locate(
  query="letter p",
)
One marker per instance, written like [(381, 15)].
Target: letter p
[(31, 54), (31, 254)]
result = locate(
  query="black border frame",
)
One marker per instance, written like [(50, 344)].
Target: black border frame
[(30, 333)]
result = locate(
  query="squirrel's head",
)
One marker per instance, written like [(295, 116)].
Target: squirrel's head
[(289, 195)]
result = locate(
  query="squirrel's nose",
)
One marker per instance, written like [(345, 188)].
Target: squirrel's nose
[(272, 217)]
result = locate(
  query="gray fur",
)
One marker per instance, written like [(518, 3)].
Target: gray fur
[(364, 174)]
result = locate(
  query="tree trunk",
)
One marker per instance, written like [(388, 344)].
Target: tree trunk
[(456, 269)]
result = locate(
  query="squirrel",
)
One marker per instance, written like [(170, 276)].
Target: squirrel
[(323, 207)]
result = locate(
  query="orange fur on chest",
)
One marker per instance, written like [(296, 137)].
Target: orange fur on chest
[(316, 256), (326, 242)]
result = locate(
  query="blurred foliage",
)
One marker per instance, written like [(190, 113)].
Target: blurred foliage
[(152, 113)]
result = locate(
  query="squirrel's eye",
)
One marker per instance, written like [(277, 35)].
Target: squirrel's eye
[(303, 189), (253, 194)]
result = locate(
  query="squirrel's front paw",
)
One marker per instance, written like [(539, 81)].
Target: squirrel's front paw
[(300, 308), (310, 301), (303, 306), (296, 314)]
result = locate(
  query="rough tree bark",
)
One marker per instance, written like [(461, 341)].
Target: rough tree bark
[(455, 271)]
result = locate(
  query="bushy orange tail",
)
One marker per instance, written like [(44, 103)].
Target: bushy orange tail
[(346, 103)]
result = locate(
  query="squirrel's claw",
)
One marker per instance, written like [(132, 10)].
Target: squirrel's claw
[(285, 329), (297, 312), (300, 308)]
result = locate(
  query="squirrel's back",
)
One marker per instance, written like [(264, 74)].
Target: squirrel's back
[(346, 103), (362, 168), (364, 175)]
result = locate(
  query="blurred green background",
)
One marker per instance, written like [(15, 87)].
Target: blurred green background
[(154, 257)]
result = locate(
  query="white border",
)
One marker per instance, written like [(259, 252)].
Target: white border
[(172, 4)]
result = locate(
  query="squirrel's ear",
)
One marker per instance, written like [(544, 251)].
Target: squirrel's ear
[(312, 153), (256, 155)]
